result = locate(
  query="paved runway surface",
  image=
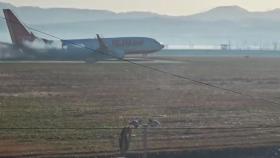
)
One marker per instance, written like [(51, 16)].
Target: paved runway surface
[(136, 60)]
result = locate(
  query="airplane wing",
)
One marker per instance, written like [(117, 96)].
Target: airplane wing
[(102, 44), (110, 52)]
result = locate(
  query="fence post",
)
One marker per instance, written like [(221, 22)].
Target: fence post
[(145, 139)]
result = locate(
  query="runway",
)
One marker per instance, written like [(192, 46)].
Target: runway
[(135, 60)]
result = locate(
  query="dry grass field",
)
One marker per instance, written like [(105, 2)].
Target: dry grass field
[(55, 96)]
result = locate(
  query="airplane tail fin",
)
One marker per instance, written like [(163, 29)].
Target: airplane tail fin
[(17, 30)]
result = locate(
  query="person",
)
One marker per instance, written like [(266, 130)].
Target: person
[(136, 123), (153, 123)]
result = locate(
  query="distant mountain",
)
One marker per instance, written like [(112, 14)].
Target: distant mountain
[(235, 13), (222, 13), (216, 26), (6, 5), (36, 15)]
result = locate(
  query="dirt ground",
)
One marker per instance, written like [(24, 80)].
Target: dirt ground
[(55, 108)]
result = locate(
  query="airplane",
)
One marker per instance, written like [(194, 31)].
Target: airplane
[(26, 46)]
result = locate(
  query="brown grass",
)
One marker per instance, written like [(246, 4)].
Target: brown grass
[(108, 95)]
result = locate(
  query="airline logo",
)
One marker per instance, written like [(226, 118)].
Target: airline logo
[(127, 42)]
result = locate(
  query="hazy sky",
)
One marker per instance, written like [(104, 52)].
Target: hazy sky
[(171, 7)]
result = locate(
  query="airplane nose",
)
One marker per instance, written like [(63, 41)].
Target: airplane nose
[(157, 46), (160, 46)]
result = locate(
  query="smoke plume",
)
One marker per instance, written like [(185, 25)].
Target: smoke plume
[(40, 44)]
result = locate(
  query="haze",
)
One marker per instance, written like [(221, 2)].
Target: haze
[(170, 7)]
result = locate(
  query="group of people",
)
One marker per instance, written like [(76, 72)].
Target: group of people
[(125, 135), (137, 123)]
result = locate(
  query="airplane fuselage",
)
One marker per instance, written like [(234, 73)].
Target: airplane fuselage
[(130, 45), (83, 49)]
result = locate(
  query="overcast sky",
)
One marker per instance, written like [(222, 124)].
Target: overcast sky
[(171, 7)]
